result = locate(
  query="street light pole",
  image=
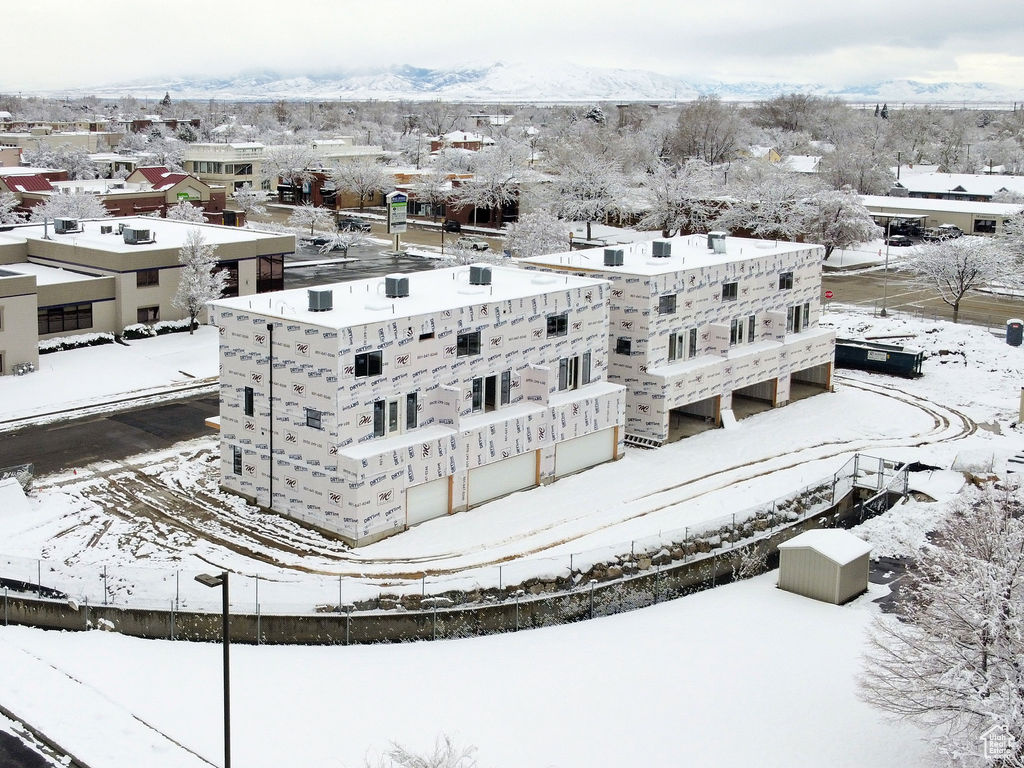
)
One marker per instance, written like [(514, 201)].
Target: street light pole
[(222, 582)]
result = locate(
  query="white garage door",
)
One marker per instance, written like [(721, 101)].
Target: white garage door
[(582, 452), (493, 480), (426, 501)]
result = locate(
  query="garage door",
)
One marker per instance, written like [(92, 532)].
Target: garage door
[(427, 501), (582, 452), (493, 480)]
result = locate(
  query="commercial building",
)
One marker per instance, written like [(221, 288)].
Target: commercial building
[(367, 407), (706, 328), (971, 216), (69, 277)]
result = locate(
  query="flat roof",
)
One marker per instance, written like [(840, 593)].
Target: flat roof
[(688, 252), (360, 302), (47, 275), (169, 233), (877, 202)]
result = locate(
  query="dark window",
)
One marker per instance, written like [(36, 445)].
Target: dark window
[(369, 364), (692, 347), (730, 291), (807, 315), (585, 375), (506, 387), (785, 281), (558, 325), (69, 317), (147, 314), (313, 418), (410, 411), (230, 269), (751, 327), (425, 336), (378, 418), (563, 373), (468, 344), (667, 304), (248, 407), (147, 277), (270, 274), (623, 346), (985, 226), (735, 332), (478, 394), (236, 460)]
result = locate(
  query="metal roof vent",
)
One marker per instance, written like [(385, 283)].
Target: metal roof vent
[(661, 249), (396, 286), (479, 274), (716, 241), (613, 257), (63, 226), (321, 299)]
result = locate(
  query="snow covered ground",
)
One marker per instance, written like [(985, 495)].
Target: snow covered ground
[(740, 675)]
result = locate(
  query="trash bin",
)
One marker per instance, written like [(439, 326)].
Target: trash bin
[(1014, 332)]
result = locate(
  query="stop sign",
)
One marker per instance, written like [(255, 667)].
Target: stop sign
[(829, 294)]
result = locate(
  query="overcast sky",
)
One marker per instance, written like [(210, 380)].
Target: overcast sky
[(54, 44)]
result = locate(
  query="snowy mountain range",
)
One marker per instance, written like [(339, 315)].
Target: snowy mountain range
[(505, 82)]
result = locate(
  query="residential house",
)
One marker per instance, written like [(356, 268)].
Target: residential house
[(366, 407)]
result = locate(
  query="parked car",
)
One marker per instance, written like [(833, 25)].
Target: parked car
[(352, 224), (899, 240), (451, 225), (943, 232), (472, 243), (951, 230), (908, 228)]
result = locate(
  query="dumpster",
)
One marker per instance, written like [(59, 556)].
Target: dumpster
[(1014, 332), (881, 358)]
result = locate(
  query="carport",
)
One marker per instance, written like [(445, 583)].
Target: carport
[(810, 381), (755, 398), (693, 418)]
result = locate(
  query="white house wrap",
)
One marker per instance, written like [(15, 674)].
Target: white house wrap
[(387, 402)]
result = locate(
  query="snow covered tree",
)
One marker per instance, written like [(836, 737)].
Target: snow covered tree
[(953, 659), (957, 267), (709, 130), (535, 234), (1011, 238), (291, 165), (8, 212), (342, 241), (249, 200), (131, 143), (588, 188), (311, 216), (836, 219), (74, 160), (434, 189), (77, 205), (200, 281), (362, 177), (681, 198), (185, 211), (445, 755), (766, 201), (496, 171)]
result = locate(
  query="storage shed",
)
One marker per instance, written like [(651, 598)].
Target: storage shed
[(829, 565)]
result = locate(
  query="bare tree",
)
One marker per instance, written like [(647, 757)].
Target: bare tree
[(200, 281), (185, 211), (445, 755), (77, 205), (953, 659), (836, 219), (709, 130), (434, 189), (681, 198), (311, 216), (958, 267), (362, 177)]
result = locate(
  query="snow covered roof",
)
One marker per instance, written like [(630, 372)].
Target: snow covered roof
[(960, 183), (25, 170), (885, 203), (689, 252), (801, 163), (839, 546), (360, 302), (28, 183), (47, 275), (160, 177)]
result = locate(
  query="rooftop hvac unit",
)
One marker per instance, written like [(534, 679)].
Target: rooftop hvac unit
[(716, 241), (661, 249), (120, 227), (396, 286), (613, 257), (479, 275), (106, 229), (321, 299), (134, 236), (63, 226)]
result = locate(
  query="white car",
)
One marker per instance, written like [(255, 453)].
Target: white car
[(473, 243)]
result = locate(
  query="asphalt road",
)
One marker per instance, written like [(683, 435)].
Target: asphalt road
[(70, 444), (14, 754)]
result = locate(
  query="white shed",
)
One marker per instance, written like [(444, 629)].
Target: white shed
[(828, 564)]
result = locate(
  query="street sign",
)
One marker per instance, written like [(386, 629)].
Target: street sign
[(829, 294), (397, 204)]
